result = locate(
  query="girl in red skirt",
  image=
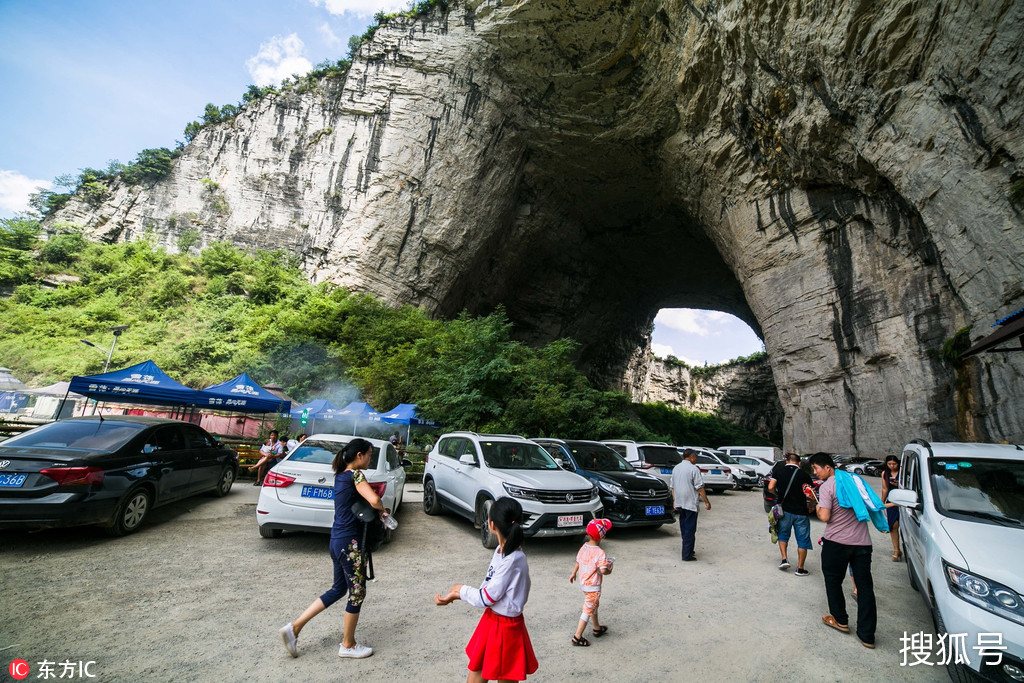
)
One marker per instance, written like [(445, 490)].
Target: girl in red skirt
[(500, 648)]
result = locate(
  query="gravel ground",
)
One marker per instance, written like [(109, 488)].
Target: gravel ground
[(198, 595)]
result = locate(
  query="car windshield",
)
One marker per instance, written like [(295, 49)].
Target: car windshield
[(987, 489), (664, 456), (596, 457), (322, 452), (84, 435), (516, 455), (727, 459)]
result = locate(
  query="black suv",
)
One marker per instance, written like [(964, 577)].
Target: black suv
[(630, 498)]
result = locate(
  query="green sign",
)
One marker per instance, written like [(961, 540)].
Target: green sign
[(305, 417)]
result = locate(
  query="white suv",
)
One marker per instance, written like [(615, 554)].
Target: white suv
[(962, 524), (466, 472)]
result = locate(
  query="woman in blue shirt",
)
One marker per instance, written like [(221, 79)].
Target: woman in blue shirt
[(346, 551)]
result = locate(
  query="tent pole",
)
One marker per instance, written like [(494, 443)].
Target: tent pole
[(63, 401)]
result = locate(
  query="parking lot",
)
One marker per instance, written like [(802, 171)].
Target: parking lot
[(198, 595)]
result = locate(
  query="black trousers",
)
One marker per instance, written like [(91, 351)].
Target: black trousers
[(835, 558), (688, 530)]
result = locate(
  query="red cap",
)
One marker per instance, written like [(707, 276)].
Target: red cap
[(597, 528)]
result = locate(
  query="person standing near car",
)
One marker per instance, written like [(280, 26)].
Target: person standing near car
[(846, 542), (687, 485), (346, 550), (787, 483), (890, 481)]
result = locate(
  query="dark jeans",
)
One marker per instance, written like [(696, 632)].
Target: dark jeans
[(688, 530), (835, 558), (349, 575)]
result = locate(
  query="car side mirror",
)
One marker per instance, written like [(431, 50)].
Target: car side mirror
[(406, 462), (560, 463), (904, 498), (467, 459)]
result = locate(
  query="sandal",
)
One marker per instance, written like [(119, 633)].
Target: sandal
[(598, 632), (581, 641), (830, 620), (897, 556)]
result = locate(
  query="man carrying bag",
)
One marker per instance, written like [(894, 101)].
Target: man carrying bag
[(793, 506)]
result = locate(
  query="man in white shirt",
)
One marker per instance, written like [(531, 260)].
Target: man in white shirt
[(687, 485)]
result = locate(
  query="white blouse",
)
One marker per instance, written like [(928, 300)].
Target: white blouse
[(505, 589)]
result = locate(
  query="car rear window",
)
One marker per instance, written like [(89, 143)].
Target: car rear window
[(91, 435), (664, 456), (597, 458), (323, 452)]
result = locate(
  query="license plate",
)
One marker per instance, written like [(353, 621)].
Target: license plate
[(653, 510), (716, 471), (12, 481), (570, 520), (666, 470), (319, 492)]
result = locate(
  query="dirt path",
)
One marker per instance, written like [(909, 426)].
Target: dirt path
[(198, 595)]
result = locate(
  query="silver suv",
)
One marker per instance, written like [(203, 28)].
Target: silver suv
[(466, 472)]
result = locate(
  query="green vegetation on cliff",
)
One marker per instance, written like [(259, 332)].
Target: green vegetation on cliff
[(205, 318)]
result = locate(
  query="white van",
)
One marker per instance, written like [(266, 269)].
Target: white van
[(770, 453)]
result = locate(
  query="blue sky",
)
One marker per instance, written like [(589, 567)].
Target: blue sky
[(698, 336), (88, 82)]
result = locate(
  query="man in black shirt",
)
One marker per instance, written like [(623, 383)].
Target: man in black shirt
[(787, 483)]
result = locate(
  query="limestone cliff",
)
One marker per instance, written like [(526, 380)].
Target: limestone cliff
[(742, 393), (838, 175)]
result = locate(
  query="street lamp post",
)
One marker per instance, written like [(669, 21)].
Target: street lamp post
[(117, 330)]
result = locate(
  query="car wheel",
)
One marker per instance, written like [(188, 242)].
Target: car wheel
[(131, 513), (958, 673), (431, 505), (489, 539), (267, 532), (227, 478)]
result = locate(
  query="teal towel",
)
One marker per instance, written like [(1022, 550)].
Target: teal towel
[(852, 492)]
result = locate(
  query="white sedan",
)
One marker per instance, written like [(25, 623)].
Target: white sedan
[(298, 492)]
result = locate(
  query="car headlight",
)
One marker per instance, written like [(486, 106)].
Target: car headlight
[(613, 489), (593, 492), (520, 492), (985, 593)]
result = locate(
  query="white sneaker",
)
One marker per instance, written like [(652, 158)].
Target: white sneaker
[(357, 652), (290, 640)]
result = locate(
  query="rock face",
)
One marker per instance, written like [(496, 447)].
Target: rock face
[(742, 393), (839, 175)]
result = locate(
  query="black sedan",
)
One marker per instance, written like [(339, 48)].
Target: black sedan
[(109, 471), (630, 498)]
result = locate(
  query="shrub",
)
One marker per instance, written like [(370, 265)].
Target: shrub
[(63, 248)]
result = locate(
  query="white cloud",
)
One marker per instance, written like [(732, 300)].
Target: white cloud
[(15, 189), (361, 8), (330, 38), (687, 320), (662, 350), (278, 59)]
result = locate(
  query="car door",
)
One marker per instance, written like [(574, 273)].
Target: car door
[(171, 460), (445, 474), (206, 459), (910, 519), (467, 477)]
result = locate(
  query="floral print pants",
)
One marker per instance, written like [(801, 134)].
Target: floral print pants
[(349, 575)]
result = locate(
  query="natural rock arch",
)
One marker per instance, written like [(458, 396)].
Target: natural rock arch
[(837, 177)]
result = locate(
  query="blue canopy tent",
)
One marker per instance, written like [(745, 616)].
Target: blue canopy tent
[(319, 409), (358, 411), (405, 414), (143, 383), (242, 394)]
